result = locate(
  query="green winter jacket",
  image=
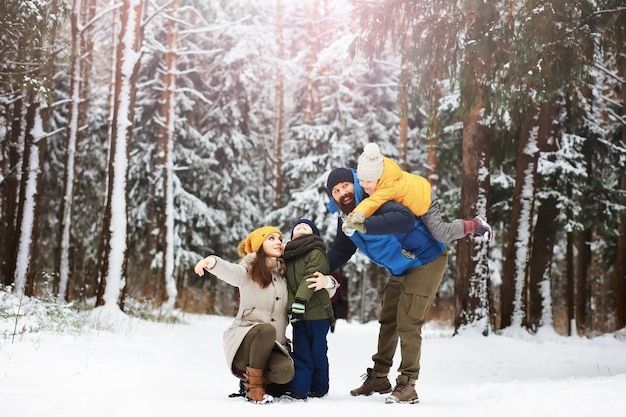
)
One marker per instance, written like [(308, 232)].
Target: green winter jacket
[(303, 256)]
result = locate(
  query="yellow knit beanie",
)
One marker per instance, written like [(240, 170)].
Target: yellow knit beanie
[(255, 240)]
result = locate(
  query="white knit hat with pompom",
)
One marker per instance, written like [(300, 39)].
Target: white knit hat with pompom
[(370, 166)]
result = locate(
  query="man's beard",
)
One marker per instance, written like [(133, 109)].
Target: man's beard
[(347, 208)]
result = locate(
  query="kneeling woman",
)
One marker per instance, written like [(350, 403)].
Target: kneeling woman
[(255, 344)]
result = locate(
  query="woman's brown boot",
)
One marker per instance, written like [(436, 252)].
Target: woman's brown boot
[(255, 386)]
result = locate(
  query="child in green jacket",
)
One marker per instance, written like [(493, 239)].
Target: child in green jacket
[(311, 312)]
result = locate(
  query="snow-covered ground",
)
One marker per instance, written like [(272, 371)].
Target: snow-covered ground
[(130, 367)]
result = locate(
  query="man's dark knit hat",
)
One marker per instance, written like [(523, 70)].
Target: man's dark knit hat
[(316, 231), (336, 176)]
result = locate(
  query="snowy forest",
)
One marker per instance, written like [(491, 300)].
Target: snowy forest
[(138, 136)]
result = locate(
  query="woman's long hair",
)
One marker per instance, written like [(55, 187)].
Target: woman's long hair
[(260, 269)]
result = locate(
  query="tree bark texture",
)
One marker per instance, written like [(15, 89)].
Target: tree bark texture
[(113, 274), (472, 280), (583, 272), (535, 133), (168, 133), (544, 234), (10, 191), (472, 283), (620, 259), (280, 110)]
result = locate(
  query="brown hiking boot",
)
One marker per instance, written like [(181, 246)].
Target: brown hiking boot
[(255, 386), (404, 391), (373, 382)]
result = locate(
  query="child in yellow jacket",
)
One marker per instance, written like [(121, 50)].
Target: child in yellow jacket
[(383, 179), (385, 176)]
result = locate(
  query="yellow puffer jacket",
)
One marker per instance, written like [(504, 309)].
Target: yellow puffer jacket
[(410, 190)]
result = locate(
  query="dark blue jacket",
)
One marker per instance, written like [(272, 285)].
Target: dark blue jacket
[(395, 238)]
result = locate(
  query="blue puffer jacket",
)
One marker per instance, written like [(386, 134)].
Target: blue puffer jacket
[(395, 238)]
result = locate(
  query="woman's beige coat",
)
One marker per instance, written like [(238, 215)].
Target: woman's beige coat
[(256, 306)]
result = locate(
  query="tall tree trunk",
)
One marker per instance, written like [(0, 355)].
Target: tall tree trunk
[(166, 145), (26, 204), (113, 275), (83, 268), (72, 140), (433, 132), (314, 34), (280, 110), (514, 291), (12, 175), (472, 281), (402, 142), (544, 236), (11, 193), (37, 115), (404, 114), (570, 280), (515, 258), (105, 234), (620, 259), (583, 281), (544, 233), (582, 265), (404, 99), (584, 256)]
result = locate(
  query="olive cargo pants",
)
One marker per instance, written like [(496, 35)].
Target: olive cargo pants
[(406, 301)]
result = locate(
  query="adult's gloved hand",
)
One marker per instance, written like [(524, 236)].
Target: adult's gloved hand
[(297, 310), (321, 281), (356, 221), (358, 217)]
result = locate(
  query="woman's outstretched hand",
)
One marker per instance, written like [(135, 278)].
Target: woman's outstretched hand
[(206, 263)]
